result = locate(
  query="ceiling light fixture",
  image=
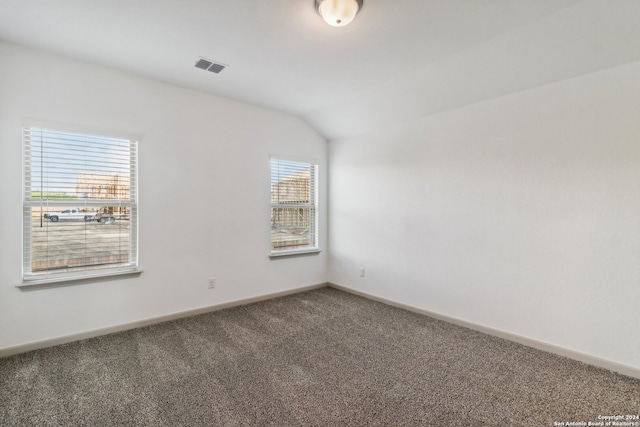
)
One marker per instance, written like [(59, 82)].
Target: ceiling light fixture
[(338, 13)]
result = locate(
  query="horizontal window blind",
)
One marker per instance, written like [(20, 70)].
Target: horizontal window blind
[(294, 222), (80, 203)]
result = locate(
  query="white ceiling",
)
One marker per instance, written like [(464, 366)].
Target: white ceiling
[(398, 60)]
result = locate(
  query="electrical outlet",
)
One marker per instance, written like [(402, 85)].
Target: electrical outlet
[(361, 271), (212, 282)]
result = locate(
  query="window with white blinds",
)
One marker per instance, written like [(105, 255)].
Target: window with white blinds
[(294, 199), (80, 205)]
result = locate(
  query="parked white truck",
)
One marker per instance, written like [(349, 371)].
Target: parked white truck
[(87, 214), (73, 214)]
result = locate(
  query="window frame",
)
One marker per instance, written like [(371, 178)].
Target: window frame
[(87, 272), (313, 205)]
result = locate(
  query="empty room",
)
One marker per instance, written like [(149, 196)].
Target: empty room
[(320, 212)]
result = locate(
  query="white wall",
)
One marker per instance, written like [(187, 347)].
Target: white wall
[(204, 195), (520, 213)]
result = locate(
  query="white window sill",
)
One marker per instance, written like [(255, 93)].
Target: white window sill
[(282, 254), (62, 278)]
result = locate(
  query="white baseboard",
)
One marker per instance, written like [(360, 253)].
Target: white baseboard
[(35, 345), (530, 342)]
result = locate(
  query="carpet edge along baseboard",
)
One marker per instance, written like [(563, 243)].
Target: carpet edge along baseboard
[(65, 339), (589, 359)]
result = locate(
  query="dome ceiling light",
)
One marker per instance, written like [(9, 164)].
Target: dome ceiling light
[(338, 13)]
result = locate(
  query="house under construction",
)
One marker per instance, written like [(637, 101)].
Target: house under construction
[(107, 187)]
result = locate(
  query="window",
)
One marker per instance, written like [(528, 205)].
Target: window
[(80, 205), (294, 206)]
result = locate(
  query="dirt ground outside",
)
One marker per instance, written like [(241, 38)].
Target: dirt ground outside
[(67, 244)]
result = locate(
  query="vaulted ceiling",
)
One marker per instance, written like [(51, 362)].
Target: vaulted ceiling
[(398, 60)]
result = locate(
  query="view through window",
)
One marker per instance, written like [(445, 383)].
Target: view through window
[(293, 206), (80, 210)]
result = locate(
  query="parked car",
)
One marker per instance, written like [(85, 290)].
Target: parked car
[(72, 214), (106, 218)]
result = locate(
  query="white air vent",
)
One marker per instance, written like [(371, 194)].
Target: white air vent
[(205, 64)]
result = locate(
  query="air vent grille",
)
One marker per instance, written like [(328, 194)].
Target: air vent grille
[(216, 68), (205, 64)]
